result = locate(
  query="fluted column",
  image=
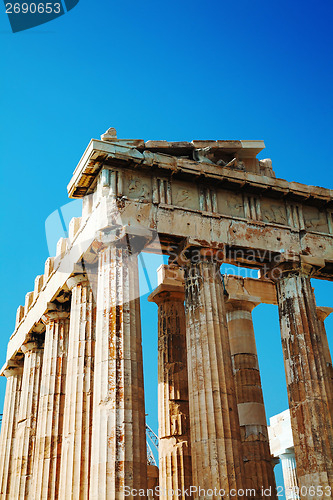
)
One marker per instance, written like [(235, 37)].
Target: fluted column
[(258, 466), (288, 463), (323, 313), (8, 428), (175, 471), (305, 373), (215, 430), (119, 456), (45, 481), (76, 436), (27, 419), (153, 482)]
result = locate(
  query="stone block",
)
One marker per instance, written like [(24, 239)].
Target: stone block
[(39, 281), (74, 226), (61, 247), (19, 315), (28, 301), (49, 266), (170, 275), (280, 433), (109, 135)]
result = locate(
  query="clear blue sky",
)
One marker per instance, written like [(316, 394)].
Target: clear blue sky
[(159, 70)]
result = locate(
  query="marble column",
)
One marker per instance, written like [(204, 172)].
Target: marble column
[(45, 481), (215, 430), (119, 456), (77, 427), (27, 419), (175, 471), (13, 373), (323, 313), (258, 466), (288, 463), (305, 373), (153, 475)]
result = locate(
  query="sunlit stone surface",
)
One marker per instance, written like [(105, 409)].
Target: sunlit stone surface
[(74, 412)]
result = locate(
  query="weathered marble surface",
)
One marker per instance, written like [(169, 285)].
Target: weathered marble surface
[(175, 465), (305, 367), (86, 436)]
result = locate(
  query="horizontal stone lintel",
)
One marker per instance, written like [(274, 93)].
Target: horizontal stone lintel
[(245, 242), (99, 219)]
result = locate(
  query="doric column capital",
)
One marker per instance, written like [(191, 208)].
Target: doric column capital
[(14, 367), (77, 279), (241, 302), (288, 453), (32, 346), (54, 312), (288, 269), (303, 266), (167, 293), (191, 252), (134, 239), (324, 312)]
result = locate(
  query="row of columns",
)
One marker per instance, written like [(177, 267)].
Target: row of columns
[(228, 438), (212, 349), (78, 406), (76, 410)]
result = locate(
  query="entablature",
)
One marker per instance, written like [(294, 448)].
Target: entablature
[(99, 155)]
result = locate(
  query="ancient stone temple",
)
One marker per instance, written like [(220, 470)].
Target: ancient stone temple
[(74, 412)]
